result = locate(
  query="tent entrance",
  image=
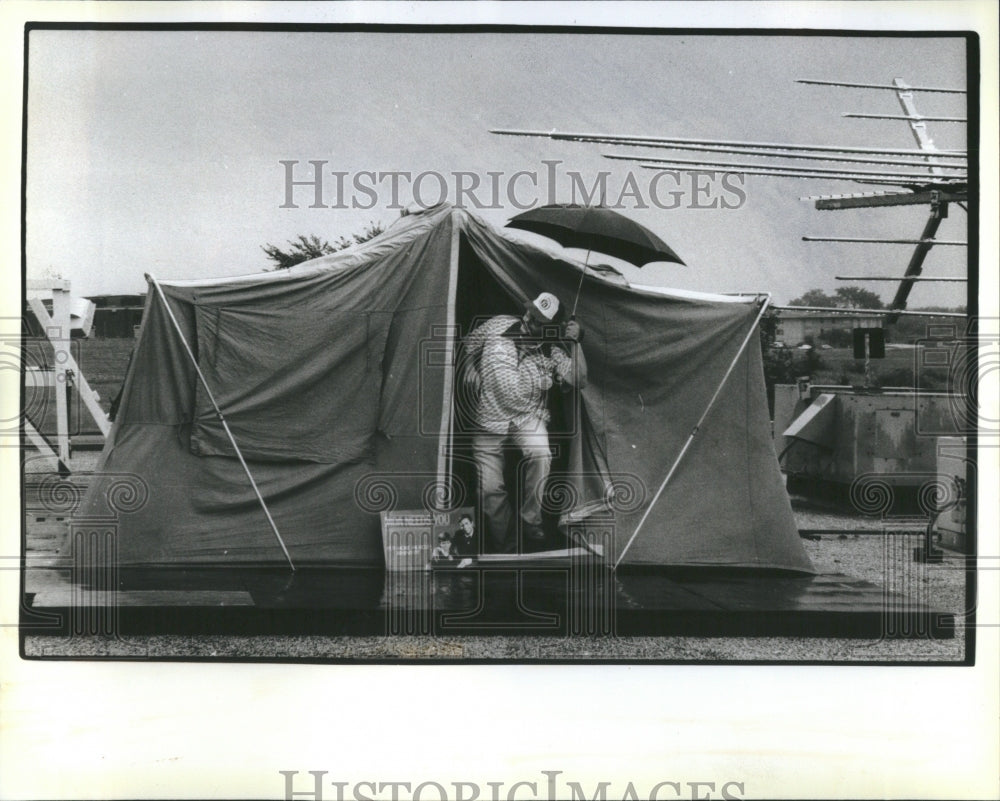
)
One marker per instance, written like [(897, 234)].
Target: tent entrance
[(481, 294)]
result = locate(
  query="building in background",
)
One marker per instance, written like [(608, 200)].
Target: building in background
[(117, 316), (794, 328)]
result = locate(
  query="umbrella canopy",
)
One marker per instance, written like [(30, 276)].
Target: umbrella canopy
[(596, 228)]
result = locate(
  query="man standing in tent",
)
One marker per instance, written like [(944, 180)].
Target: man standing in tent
[(510, 364)]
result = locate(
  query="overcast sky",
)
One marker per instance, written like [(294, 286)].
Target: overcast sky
[(160, 151)]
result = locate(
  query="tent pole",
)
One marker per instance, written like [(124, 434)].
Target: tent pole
[(446, 435), (694, 431), (222, 419)]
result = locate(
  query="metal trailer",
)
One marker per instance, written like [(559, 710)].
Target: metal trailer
[(883, 452)]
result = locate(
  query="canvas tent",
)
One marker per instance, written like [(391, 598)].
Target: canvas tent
[(337, 381)]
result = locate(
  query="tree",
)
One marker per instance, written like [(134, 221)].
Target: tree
[(814, 297), (312, 247), (778, 367), (854, 297), (845, 297)]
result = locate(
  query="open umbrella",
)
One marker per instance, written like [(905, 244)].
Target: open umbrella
[(595, 228)]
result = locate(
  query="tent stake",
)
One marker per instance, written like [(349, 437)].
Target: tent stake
[(694, 431), (222, 419)]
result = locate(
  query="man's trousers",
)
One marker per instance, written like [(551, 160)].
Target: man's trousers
[(532, 472)]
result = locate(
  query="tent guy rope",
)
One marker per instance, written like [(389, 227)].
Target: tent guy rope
[(222, 419), (697, 427)]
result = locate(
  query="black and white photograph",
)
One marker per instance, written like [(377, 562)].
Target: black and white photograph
[(363, 341)]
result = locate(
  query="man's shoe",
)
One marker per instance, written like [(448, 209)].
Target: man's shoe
[(534, 534), (534, 539)]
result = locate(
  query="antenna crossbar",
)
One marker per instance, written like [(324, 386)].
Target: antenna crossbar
[(893, 278), (657, 141), (886, 180), (795, 154), (866, 312), (916, 118), (867, 201), (853, 195), (736, 166), (885, 241), (882, 86)]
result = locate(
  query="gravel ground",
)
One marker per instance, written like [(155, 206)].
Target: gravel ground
[(629, 649), (882, 559)]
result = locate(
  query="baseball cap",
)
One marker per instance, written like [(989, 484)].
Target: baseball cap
[(544, 308)]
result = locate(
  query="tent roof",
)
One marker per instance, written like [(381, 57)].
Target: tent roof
[(406, 228)]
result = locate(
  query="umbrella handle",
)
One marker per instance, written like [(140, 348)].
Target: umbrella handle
[(579, 286)]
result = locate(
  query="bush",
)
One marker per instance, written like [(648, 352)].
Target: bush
[(935, 378), (894, 376), (839, 338), (813, 361)]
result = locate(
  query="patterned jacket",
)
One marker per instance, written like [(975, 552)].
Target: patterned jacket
[(514, 373)]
